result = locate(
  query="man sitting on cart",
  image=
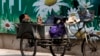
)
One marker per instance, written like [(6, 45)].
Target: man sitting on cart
[(23, 26)]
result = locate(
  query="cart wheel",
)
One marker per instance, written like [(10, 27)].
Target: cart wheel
[(57, 49), (28, 46), (90, 48)]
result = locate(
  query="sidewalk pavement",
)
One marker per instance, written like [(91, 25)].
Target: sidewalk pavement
[(8, 52)]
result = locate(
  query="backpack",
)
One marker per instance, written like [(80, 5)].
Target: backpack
[(57, 31)]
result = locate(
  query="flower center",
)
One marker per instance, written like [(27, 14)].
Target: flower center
[(73, 14), (50, 2), (7, 25), (85, 6)]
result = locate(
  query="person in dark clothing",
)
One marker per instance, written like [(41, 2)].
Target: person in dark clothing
[(25, 25), (25, 29)]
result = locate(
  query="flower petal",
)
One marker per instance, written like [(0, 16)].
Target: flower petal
[(90, 6), (59, 0), (88, 3), (38, 3), (63, 4), (56, 8)]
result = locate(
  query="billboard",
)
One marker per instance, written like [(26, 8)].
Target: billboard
[(11, 9)]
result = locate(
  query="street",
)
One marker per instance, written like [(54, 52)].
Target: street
[(8, 52), (75, 51)]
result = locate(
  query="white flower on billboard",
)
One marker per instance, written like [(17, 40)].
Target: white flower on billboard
[(43, 7), (73, 15), (84, 4), (7, 25)]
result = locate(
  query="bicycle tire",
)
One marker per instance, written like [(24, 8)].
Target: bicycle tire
[(55, 50), (90, 48), (24, 52)]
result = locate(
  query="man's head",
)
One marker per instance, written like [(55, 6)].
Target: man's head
[(24, 18)]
